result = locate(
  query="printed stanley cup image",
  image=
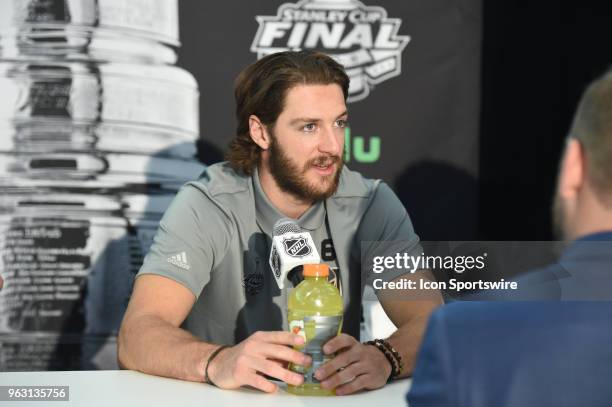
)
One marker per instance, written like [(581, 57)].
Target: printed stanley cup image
[(97, 133)]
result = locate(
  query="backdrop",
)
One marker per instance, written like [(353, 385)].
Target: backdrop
[(415, 88), (99, 126)]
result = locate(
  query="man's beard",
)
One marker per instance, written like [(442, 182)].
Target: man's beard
[(292, 179)]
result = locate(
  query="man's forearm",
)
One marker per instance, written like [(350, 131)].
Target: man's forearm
[(407, 341), (410, 313), (154, 346)]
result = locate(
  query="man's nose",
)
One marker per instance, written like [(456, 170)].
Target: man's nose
[(332, 141)]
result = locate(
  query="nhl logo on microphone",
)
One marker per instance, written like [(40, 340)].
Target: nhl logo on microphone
[(297, 246), (291, 247)]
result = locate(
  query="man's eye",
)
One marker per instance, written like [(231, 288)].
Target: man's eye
[(341, 123), (309, 127)]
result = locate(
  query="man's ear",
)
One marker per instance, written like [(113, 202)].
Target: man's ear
[(572, 173), (259, 133)]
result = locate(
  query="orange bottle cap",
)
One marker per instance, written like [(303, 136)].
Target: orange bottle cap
[(316, 270)]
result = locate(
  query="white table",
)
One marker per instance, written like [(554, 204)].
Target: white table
[(114, 388)]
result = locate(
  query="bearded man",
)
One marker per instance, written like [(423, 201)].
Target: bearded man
[(206, 280)]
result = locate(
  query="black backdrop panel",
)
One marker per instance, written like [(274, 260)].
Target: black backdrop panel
[(417, 128)]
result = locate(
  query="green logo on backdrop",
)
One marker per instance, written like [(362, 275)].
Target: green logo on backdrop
[(355, 148)]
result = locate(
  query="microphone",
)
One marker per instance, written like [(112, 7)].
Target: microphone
[(291, 248)]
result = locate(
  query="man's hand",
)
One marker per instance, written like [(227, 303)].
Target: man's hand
[(356, 366), (261, 353)]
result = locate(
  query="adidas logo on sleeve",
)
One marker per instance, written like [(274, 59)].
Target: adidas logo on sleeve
[(179, 260)]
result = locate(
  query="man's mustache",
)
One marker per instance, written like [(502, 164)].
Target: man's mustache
[(324, 161)]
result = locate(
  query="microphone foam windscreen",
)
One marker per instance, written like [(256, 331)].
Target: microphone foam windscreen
[(285, 225)]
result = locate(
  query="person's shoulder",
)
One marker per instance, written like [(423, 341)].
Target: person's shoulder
[(458, 310), (353, 184), (460, 324), (471, 315), (220, 178), (215, 192)]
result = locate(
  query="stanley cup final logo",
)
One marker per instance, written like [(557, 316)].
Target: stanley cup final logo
[(362, 38)]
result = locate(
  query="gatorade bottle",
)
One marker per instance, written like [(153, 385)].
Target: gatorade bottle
[(315, 312)]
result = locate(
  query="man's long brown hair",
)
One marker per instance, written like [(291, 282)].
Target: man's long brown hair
[(260, 90)]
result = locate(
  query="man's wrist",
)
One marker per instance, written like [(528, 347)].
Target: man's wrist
[(208, 364), (392, 356)]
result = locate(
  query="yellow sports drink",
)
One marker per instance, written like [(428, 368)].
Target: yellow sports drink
[(314, 312)]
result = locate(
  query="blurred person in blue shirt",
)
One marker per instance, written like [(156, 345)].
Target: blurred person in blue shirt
[(553, 350)]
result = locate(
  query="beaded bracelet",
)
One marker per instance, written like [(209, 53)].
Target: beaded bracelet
[(392, 355), (396, 355), (387, 355)]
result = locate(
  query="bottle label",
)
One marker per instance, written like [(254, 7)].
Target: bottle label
[(316, 331), (297, 327)]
